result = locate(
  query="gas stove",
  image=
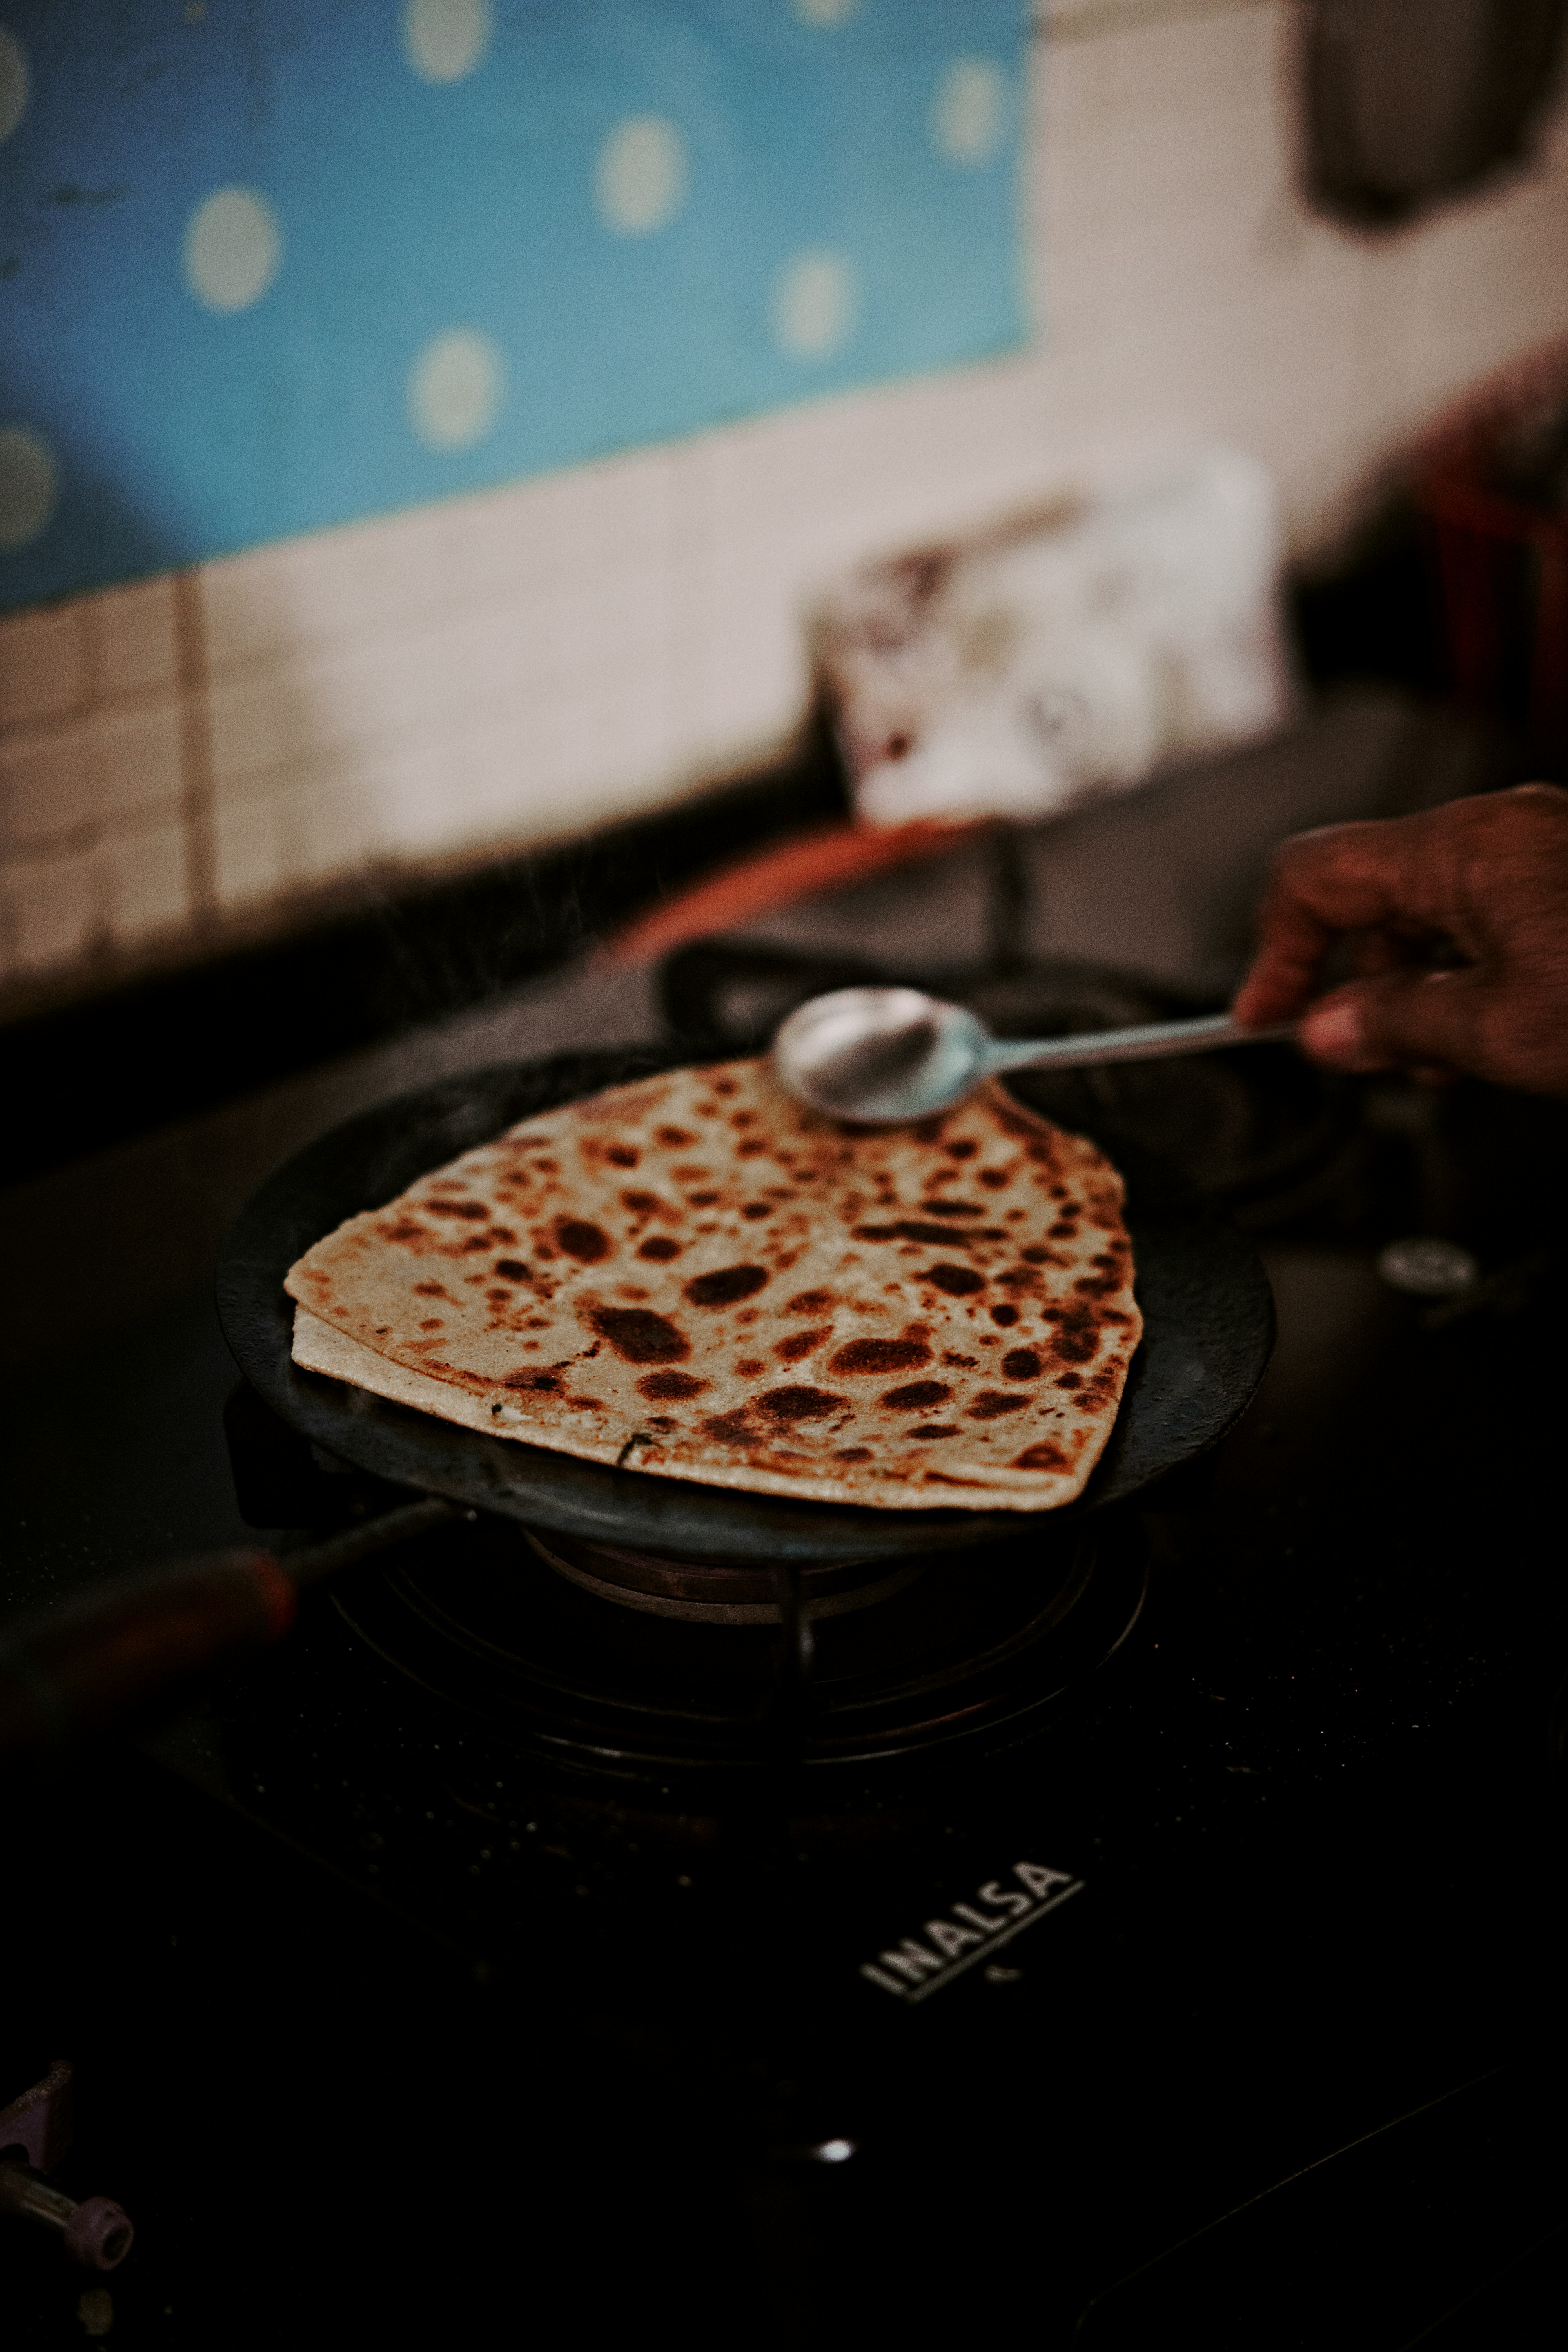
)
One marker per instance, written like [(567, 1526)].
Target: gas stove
[(1143, 1929)]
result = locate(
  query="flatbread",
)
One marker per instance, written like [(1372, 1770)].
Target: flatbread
[(695, 1277)]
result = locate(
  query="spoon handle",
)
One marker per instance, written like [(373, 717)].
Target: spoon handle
[(1154, 1041)]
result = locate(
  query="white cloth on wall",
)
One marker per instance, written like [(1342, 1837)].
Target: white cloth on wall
[(1017, 674)]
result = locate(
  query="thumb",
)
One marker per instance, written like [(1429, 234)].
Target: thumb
[(1399, 1020)]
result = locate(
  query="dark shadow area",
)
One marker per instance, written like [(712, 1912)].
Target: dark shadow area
[(1368, 612)]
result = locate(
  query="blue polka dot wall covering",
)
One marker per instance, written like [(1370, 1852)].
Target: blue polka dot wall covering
[(266, 269)]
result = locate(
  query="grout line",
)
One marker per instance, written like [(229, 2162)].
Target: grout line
[(92, 705), (195, 749), (90, 637)]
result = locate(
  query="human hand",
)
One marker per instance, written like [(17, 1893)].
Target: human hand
[(1482, 883)]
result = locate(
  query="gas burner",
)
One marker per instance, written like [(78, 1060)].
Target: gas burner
[(733, 1593), (621, 1660)]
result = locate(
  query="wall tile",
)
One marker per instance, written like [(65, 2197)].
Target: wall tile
[(54, 911), (44, 787), (250, 852), (371, 689), (133, 629), (56, 781), (146, 887), (43, 665)]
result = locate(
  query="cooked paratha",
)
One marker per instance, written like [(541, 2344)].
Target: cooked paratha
[(697, 1277)]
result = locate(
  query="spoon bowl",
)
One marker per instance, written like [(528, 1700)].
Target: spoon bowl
[(880, 1053)]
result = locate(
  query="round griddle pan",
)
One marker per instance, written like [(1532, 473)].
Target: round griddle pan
[(1207, 1333)]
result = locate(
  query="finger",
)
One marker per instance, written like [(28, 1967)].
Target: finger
[(1378, 877), (1402, 1020), (1375, 952), (1292, 944)]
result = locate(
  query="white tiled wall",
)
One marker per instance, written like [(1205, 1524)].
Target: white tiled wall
[(180, 757)]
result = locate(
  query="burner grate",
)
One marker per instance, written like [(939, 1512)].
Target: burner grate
[(568, 1662)]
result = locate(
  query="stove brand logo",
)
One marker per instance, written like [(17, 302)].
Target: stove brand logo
[(912, 1972)]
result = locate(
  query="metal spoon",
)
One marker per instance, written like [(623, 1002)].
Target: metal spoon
[(881, 1054)]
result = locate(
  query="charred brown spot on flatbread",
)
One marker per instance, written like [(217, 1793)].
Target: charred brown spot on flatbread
[(1044, 1454), (730, 1428), (580, 1238), (958, 1281), (916, 1396), (800, 1343), (794, 1404), (666, 1388), (875, 1358), (638, 1335), (725, 1286), (1074, 1334)]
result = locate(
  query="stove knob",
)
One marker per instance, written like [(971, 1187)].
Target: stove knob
[(1426, 1267), (96, 2233)]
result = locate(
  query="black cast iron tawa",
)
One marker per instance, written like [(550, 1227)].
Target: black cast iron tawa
[(1208, 1328)]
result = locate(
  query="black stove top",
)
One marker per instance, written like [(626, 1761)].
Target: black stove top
[(546, 1935)]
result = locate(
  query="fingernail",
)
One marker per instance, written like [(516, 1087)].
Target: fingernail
[(1334, 1033)]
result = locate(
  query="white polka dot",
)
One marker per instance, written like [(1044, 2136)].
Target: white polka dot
[(826, 12), (969, 112), (233, 249), (15, 83), (641, 175), (29, 486), (456, 387), (446, 39), (813, 306)]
